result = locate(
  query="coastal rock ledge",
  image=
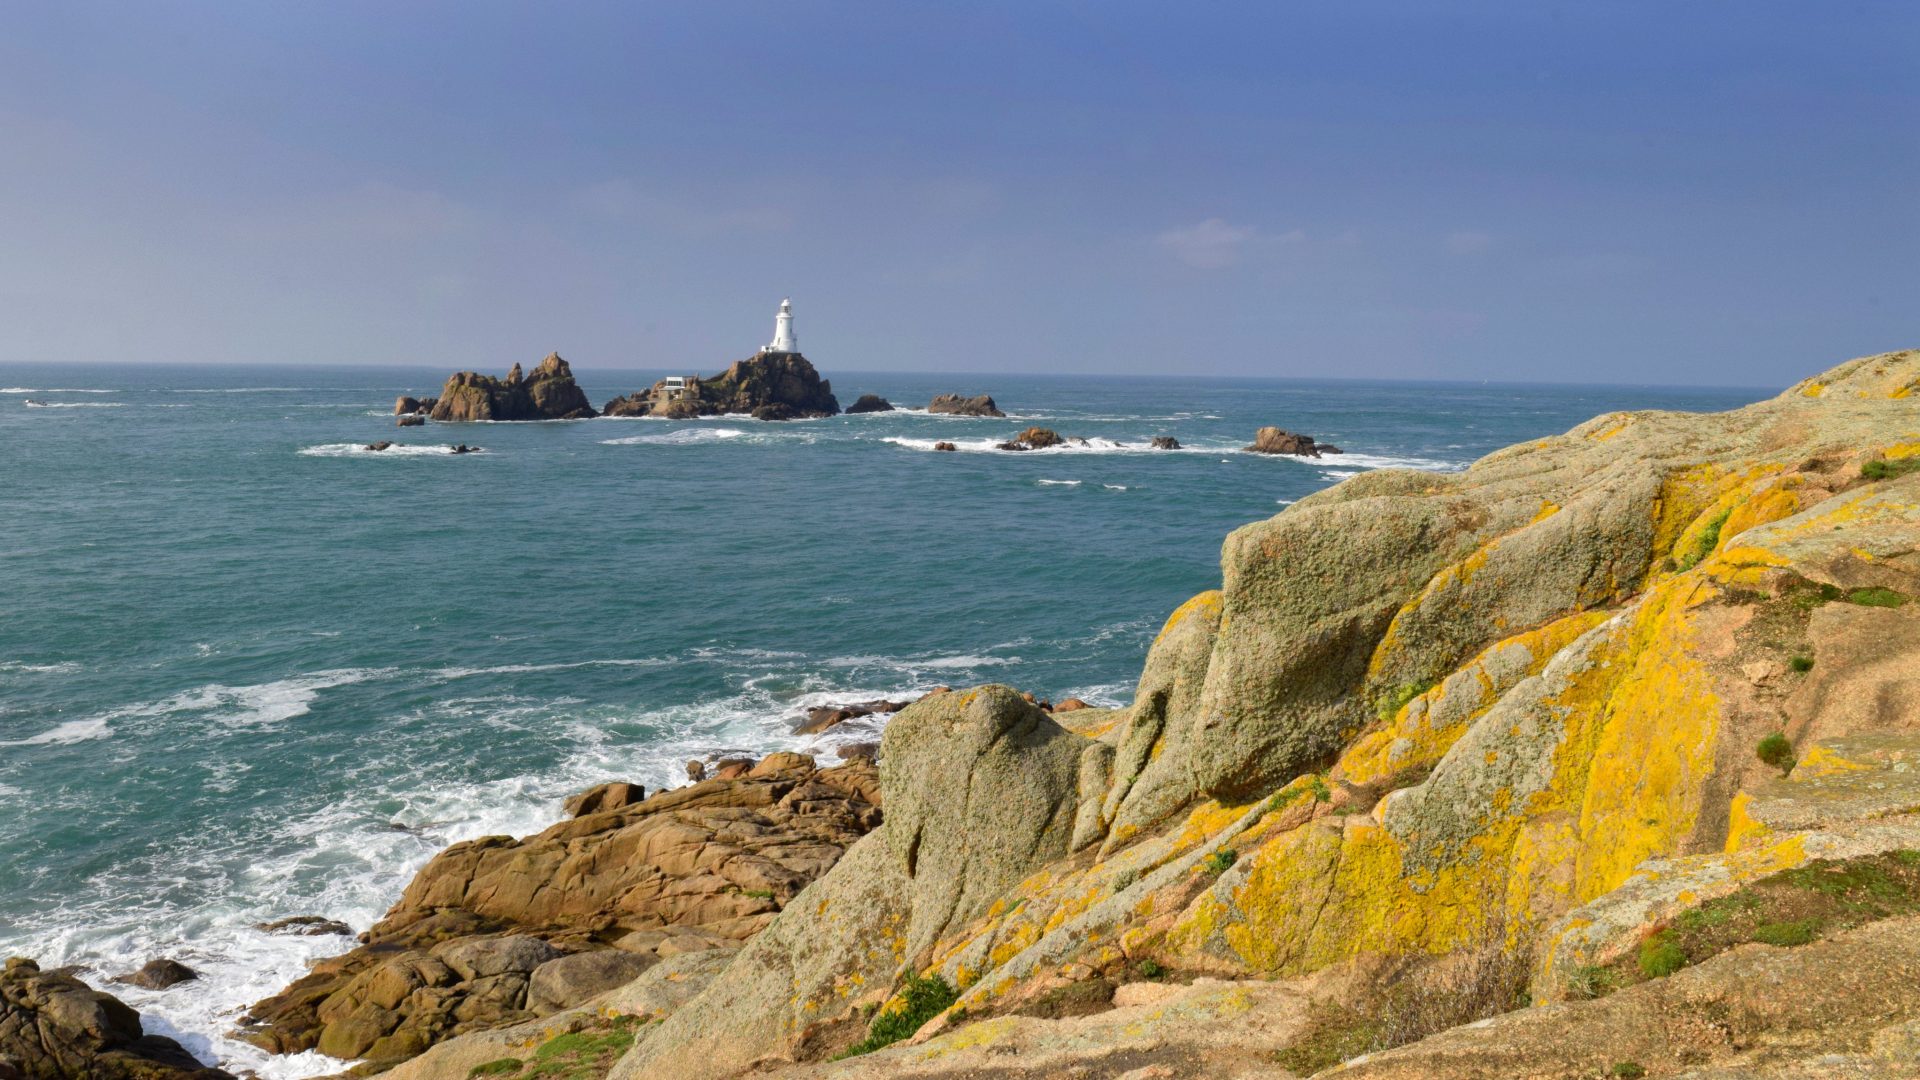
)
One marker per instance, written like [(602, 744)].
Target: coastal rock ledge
[(499, 931), (55, 1027), (1594, 759)]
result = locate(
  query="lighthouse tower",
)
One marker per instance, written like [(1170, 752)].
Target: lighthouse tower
[(783, 339)]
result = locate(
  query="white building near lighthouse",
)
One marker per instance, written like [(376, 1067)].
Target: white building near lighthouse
[(783, 339)]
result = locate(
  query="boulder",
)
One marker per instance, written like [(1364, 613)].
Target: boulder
[(55, 1027), (549, 393), (696, 771), (955, 405), (378, 446), (784, 384), (945, 446), (1273, 440), (604, 797), (159, 974), (1036, 438), (870, 403), (411, 421), (484, 957), (1072, 704), (406, 406), (986, 785), (732, 768), (463, 448), (1165, 442), (860, 751), (571, 980)]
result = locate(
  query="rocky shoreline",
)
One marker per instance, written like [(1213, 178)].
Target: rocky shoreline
[(1595, 759)]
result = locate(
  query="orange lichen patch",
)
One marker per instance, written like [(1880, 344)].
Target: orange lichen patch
[(1206, 604), (1427, 726), (1634, 724), (1821, 760), (1607, 433), (1743, 829), (1655, 748), (1208, 819), (1765, 503), (1901, 450)]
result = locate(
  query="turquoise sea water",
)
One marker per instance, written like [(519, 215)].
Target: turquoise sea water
[(249, 670)]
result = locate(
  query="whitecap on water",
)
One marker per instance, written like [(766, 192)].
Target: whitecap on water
[(76, 404), (1060, 483), (397, 450), (682, 437), (72, 731)]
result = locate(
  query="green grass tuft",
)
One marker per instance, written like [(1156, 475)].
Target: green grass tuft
[(1391, 702), (1776, 750), (1660, 957), (1802, 664), (1704, 544), (920, 1001), (1877, 597), (1628, 1070), (1881, 469), (496, 1067), (1798, 932), (1150, 969), (1220, 861)]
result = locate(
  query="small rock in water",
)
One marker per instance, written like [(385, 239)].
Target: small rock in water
[(159, 974), (306, 926), (1273, 440), (411, 420), (696, 771), (870, 403), (382, 445), (463, 448), (1165, 442), (944, 446)]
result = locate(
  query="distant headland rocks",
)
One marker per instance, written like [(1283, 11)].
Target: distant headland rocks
[(777, 383)]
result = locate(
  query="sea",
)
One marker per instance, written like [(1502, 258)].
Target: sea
[(250, 669)]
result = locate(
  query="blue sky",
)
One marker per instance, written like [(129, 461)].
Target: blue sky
[(1707, 193)]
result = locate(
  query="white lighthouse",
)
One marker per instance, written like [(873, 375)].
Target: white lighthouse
[(783, 339)]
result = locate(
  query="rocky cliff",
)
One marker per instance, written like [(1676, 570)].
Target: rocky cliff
[(55, 1027), (549, 393), (1594, 759), (772, 386)]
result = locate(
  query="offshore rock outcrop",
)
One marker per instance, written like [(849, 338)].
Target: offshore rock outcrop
[(498, 931), (55, 1027), (870, 403), (548, 393), (770, 386), (955, 405), (1273, 440)]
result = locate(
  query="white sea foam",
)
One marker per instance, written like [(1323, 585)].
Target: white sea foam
[(1114, 487), (681, 437), (76, 404), (397, 450), (1079, 446), (64, 667), (239, 707), (1061, 483), (72, 731), (522, 669), (52, 390)]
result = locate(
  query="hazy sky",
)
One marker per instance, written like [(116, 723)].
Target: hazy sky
[(1721, 193)]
